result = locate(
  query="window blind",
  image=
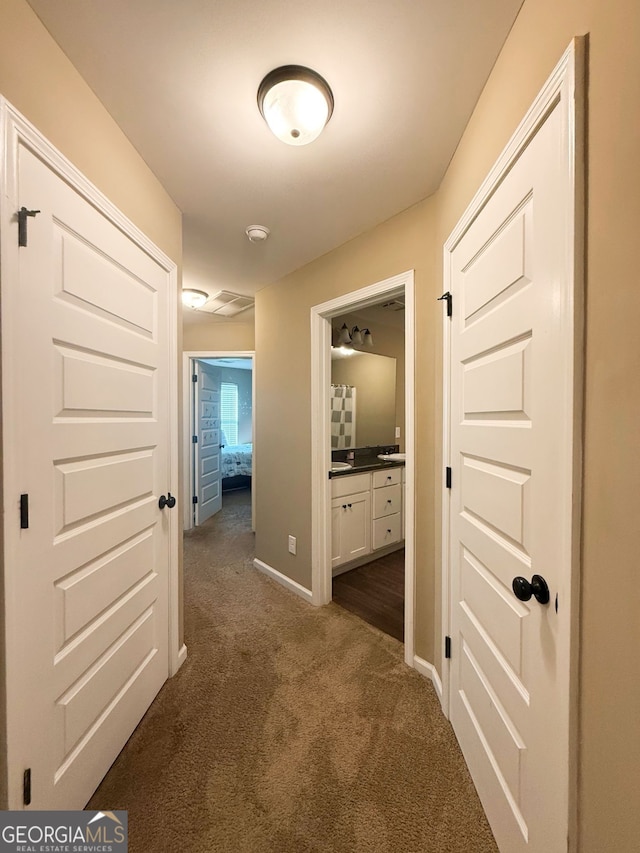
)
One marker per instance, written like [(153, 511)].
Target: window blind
[(229, 411)]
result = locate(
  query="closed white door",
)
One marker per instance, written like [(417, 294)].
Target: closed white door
[(511, 416), (208, 468), (86, 419)]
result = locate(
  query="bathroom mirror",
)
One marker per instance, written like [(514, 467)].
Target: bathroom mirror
[(373, 406)]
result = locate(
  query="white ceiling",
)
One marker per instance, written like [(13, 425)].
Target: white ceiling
[(180, 77), (232, 363)]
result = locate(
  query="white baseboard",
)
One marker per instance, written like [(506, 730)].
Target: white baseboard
[(182, 655), (292, 585), (429, 671), (177, 661)]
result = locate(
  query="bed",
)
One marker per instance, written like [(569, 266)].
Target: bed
[(236, 466)]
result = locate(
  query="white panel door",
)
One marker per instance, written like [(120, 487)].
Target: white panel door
[(208, 468), (511, 411), (85, 322)]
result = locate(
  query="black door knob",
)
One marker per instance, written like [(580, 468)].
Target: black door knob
[(167, 500), (538, 588)]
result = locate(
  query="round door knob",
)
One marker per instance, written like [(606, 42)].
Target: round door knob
[(522, 588), (167, 500), (538, 588)]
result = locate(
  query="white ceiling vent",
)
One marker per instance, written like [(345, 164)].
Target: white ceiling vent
[(227, 304), (394, 305)]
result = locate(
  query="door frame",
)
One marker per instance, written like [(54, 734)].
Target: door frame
[(321, 315), (188, 425), (564, 87), (16, 129)]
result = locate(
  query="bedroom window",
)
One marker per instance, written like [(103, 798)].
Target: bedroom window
[(229, 411)]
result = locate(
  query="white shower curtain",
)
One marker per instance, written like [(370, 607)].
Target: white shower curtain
[(343, 416)]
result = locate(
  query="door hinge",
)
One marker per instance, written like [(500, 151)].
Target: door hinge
[(448, 477), (22, 224), (448, 298), (26, 787), (194, 439), (194, 377), (447, 647), (24, 512), (194, 499)]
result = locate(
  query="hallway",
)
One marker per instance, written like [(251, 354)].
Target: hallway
[(288, 729)]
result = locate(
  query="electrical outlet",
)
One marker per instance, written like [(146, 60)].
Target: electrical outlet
[(397, 432), (292, 544)]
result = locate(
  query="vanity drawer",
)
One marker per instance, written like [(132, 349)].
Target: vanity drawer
[(387, 500), (387, 530), (387, 477), (350, 484)]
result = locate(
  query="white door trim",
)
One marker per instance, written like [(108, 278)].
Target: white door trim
[(188, 425), (565, 87), (320, 450), (16, 130)]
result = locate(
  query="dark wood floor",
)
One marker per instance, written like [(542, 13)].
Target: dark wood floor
[(375, 593)]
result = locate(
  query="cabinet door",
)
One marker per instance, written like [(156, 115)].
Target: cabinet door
[(358, 525), (337, 532), (351, 528)]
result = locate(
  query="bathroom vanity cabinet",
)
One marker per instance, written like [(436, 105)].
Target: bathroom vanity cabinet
[(366, 514)]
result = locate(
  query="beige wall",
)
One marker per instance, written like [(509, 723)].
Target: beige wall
[(210, 336), (283, 402), (374, 378), (609, 690), (37, 79)]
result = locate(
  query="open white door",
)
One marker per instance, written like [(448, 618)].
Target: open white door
[(512, 411), (86, 350), (207, 456)]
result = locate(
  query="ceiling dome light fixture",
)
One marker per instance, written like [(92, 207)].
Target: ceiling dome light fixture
[(296, 103), (257, 233), (193, 298)]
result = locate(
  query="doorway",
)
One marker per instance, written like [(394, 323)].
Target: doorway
[(324, 503), (367, 421), (218, 417)]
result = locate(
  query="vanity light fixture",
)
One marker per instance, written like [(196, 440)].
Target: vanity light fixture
[(344, 337), (359, 337), (296, 103), (193, 298)]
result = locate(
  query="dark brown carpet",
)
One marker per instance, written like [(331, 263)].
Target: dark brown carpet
[(289, 729)]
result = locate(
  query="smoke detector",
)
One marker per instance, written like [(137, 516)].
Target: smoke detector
[(257, 233)]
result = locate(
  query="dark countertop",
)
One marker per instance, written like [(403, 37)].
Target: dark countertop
[(368, 465)]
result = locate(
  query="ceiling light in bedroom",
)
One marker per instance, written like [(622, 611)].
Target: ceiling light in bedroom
[(296, 103), (193, 298)]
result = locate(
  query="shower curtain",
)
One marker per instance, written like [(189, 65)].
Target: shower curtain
[(343, 416)]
